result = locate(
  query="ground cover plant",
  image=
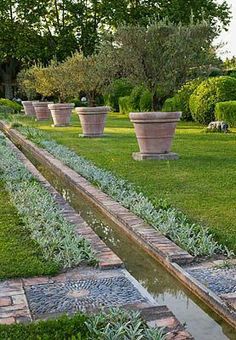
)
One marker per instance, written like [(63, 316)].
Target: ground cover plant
[(15, 260), (41, 215), (115, 325), (201, 184)]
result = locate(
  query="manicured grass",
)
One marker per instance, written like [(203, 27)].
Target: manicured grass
[(202, 183), (19, 256)]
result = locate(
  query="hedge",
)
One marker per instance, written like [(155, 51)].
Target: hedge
[(135, 97), (124, 105), (226, 111), (208, 94), (15, 107), (119, 88), (145, 103)]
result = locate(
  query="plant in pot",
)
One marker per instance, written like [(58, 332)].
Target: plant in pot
[(52, 81), (27, 85), (86, 75), (161, 57)]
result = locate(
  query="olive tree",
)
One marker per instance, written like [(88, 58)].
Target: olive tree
[(161, 57), (52, 81), (85, 74)]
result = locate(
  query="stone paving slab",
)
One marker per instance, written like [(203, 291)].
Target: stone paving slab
[(13, 303)]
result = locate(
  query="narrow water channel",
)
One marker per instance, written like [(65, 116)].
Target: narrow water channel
[(201, 322)]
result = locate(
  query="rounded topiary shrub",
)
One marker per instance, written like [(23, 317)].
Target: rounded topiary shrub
[(171, 104), (226, 111), (145, 103), (211, 91), (183, 96)]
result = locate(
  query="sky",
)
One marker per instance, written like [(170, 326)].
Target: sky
[(229, 37)]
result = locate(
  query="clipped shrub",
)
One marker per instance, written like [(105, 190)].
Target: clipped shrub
[(171, 104), (180, 101), (183, 96), (15, 107), (135, 97), (146, 101), (124, 105), (6, 109), (226, 111), (208, 94), (118, 88)]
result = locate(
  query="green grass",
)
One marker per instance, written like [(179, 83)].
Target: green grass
[(19, 256), (202, 183)]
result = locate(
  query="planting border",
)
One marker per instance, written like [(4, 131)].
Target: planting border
[(161, 248), (107, 259)]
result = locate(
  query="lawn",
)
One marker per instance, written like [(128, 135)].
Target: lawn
[(19, 256), (202, 183)]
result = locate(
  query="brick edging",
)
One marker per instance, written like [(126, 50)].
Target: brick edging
[(157, 245)]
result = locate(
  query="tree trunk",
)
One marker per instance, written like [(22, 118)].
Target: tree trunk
[(8, 72), (156, 103)]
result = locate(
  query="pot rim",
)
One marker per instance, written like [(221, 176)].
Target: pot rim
[(29, 101), (93, 110), (155, 116), (41, 103), (61, 106)]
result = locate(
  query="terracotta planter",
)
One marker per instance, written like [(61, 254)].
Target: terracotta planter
[(29, 108), (42, 111), (61, 113), (155, 132), (92, 120)]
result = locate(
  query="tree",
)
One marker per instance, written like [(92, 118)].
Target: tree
[(85, 74), (161, 57), (39, 30)]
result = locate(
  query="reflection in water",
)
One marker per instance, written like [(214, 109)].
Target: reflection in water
[(202, 323)]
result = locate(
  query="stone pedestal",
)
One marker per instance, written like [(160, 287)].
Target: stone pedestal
[(170, 156)]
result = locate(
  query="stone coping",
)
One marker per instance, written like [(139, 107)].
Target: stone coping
[(165, 251)]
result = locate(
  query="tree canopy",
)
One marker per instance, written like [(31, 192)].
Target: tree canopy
[(39, 29)]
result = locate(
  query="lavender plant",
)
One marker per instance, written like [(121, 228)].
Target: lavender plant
[(40, 213), (192, 237)]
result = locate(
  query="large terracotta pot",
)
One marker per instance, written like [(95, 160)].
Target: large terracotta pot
[(155, 132), (61, 113), (93, 120), (42, 111), (29, 108)]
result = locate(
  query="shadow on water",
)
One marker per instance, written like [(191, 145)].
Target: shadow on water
[(200, 320)]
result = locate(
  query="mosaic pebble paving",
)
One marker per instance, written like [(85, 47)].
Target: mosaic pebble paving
[(72, 296), (219, 280)]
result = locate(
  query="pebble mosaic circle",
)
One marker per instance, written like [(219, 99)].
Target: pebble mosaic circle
[(72, 296), (220, 281)]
